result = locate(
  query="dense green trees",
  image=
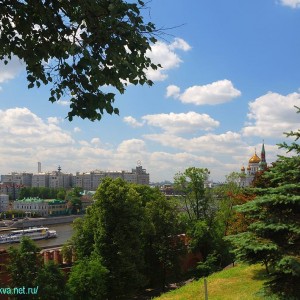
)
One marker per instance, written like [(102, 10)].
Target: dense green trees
[(74, 201), (118, 236), (79, 47), (132, 230), (273, 237), (42, 192), (163, 246), (88, 280), (27, 270), (206, 219), (190, 185), (51, 282), (24, 264)]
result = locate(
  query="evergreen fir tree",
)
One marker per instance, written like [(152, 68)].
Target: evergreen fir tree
[(273, 238)]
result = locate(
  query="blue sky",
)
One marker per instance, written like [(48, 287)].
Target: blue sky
[(230, 79)]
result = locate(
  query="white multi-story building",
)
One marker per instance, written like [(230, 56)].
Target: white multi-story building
[(40, 180), (60, 180), (57, 179), (91, 180), (17, 178)]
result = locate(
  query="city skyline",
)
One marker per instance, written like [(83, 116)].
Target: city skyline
[(230, 79)]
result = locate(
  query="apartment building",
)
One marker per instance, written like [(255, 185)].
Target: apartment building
[(24, 178), (91, 180), (57, 179), (40, 180)]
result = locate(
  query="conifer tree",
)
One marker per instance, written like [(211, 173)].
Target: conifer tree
[(273, 238)]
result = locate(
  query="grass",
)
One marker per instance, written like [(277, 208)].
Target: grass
[(240, 282)]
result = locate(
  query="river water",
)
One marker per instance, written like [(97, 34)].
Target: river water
[(64, 232)]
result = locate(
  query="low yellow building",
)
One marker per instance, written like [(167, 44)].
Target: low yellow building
[(41, 207)]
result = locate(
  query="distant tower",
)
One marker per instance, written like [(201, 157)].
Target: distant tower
[(59, 169), (263, 163), (39, 167)]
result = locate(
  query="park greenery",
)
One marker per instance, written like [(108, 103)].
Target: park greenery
[(132, 230), (79, 48), (130, 238)]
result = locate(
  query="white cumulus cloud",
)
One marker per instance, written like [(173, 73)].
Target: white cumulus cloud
[(211, 144), (182, 122), (173, 91), (132, 122), (218, 92), (165, 55), (131, 146), (22, 128), (53, 120), (95, 141), (291, 3), (272, 114), (180, 44)]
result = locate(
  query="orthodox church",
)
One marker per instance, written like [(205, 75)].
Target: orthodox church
[(255, 165)]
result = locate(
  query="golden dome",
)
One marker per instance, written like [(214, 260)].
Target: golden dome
[(243, 169), (254, 159), (249, 168)]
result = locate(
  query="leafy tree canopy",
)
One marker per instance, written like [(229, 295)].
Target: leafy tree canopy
[(27, 269), (78, 46), (112, 231), (24, 264), (51, 282), (87, 280), (163, 245), (132, 230), (196, 198), (42, 192)]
